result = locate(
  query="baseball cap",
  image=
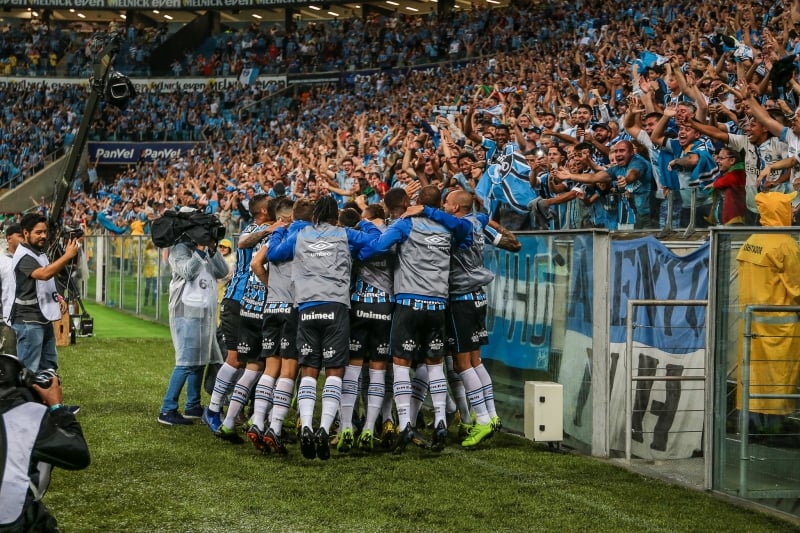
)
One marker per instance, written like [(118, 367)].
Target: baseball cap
[(226, 243)]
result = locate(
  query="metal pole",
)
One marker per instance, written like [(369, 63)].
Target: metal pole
[(744, 414), (628, 380)]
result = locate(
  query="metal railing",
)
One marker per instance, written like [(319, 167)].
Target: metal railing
[(744, 413), (630, 378)]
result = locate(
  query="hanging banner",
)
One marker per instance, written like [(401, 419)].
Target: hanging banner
[(668, 340), (520, 305)]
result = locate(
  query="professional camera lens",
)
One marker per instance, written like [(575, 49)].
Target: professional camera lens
[(45, 378)]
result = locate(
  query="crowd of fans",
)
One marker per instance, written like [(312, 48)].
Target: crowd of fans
[(592, 120)]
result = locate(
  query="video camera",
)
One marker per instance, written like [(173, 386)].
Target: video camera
[(71, 234), (201, 228)]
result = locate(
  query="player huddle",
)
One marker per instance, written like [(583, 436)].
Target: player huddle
[(372, 300)]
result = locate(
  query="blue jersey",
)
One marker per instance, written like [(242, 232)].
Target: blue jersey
[(241, 271)]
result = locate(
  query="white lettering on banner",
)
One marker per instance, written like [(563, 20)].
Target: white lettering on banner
[(116, 153), (163, 85), (156, 154), (145, 4), (67, 3), (522, 296), (216, 3)]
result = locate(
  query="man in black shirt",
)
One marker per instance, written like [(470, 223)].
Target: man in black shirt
[(37, 302)]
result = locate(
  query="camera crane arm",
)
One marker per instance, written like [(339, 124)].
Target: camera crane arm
[(106, 47)]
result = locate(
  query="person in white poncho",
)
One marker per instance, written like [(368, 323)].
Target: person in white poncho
[(192, 323)]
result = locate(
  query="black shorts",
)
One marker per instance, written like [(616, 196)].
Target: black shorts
[(370, 330), (249, 347), (323, 336), (279, 331), (229, 323), (466, 323), (418, 332)]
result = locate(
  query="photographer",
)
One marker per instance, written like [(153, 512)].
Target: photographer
[(36, 434), (192, 322), (37, 303)]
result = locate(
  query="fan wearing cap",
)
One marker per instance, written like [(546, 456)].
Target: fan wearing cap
[(225, 248), (39, 434), (8, 287)]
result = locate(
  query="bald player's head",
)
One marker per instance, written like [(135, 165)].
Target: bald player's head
[(458, 203)]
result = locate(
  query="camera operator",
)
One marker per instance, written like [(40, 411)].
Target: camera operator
[(37, 303), (36, 434), (192, 322)]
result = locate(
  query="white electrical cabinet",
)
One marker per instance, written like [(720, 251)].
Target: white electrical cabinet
[(544, 411)]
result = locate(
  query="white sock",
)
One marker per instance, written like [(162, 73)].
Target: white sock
[(375, 394), (402, 395), (281, 400), (459, 394), (221, 386), (352, 373), (263, 400), (488, 390), (331, 399), (472, 383), (419, 389), (306, 398), (438, 386), (387, 407), (241, 391)]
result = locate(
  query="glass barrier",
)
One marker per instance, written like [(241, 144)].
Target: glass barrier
[(757, 366), (539, 320)]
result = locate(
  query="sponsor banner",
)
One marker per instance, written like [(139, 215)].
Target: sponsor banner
[(142, 4), (125, 153), (155, 4), (163, 85), (520, 305)]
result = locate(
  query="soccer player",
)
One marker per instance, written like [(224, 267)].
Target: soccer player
[(466, 314), (370, 324), (421, 289), (321, 277), (231, 304), (278, 331), (250, 347), (281, 278)]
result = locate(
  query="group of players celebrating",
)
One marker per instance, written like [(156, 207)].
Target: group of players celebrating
[(316, 288)]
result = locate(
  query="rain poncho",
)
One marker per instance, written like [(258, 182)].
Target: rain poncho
[(769, 274), (193, 303)]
